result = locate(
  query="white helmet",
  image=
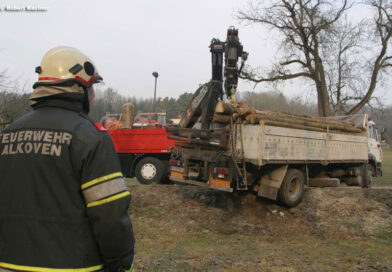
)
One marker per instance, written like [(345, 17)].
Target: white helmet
[(65, 65)]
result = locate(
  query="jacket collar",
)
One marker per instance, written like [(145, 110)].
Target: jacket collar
[(60, 103)]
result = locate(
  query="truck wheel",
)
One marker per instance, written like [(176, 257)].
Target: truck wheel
[(366, 176), (373, 169), (150, 170), (292, 189)]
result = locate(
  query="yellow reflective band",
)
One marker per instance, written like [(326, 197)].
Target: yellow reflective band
[(109, 199), (130, 269), (105, 189), (44, 269), (98, 180)]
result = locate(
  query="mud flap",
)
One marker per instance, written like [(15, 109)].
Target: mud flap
[(271, 182)]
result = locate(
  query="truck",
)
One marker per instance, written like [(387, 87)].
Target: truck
[(276, 162), (272, 154), (141, 143)]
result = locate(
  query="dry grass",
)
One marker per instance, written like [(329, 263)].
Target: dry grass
[(236, 252), (186, 228), (386, 179)]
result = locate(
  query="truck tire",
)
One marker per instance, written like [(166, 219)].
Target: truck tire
[(366, 176), (373, 169), (291, 191), (150, 170)]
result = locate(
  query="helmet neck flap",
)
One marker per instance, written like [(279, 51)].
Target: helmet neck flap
[(74, 93)]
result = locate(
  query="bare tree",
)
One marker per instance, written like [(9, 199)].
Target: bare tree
[(382, 32), (346, 67), (14, 101), (319, 44), (3, 79)]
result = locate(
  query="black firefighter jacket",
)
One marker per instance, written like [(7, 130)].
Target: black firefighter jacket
[(63, 201)]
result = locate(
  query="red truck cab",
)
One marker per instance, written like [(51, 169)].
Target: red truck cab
[(143, 149)]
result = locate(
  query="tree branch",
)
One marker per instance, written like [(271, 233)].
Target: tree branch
[(292, 62), (245, 75), (385, 37)]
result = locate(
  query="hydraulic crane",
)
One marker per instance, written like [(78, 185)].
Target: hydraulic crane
[(201, 146), (204, 100)]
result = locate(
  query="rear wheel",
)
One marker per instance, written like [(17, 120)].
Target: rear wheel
[(367, 177), (373, 169), (150, 170), (292, 189)]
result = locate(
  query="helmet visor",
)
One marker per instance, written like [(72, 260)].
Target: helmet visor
[(98, 81), (99, 84)]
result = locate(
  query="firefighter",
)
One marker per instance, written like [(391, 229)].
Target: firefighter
[(63, 200)]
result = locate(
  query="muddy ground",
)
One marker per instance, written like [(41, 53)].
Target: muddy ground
[(187, 228)]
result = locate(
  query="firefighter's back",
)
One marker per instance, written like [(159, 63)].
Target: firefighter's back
[(42, 212)]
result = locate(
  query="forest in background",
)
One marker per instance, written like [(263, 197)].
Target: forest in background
[(15, 104)]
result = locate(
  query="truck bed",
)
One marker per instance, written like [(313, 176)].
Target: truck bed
[(141, 140), (270, 144)]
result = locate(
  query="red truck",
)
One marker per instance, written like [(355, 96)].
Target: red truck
[(143, 149)]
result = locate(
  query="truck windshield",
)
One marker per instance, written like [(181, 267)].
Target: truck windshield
[(373, 132)]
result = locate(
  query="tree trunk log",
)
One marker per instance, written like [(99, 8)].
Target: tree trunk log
[(325, 125), (224, 108), (221, 118)]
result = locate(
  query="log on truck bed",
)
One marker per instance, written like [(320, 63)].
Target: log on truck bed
[(245, 114)]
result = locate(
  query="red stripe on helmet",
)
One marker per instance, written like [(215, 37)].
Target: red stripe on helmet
[(77, 77), (87, 82), (51, 78)]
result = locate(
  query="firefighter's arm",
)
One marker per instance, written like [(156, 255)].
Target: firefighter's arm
[(107, 200)]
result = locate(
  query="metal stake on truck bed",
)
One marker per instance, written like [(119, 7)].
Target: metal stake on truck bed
[(244, 178)]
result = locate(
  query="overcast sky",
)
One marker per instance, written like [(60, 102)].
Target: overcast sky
[(128, 40)]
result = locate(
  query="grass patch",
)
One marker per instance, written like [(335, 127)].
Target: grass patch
[(386, 179), (219, 252), (385, 234)]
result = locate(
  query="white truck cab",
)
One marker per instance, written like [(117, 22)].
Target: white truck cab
[(375, 150)]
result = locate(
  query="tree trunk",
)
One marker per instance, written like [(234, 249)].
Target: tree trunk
[(324, 105)]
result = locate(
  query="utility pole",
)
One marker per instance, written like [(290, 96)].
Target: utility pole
[(155, 74)]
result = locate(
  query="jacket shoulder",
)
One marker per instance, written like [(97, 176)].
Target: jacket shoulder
[(19, 122), (86, 130)]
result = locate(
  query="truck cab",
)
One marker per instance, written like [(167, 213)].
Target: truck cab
[(141, 143), (375, 150)]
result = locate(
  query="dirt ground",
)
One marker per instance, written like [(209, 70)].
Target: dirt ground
[(187, 228)]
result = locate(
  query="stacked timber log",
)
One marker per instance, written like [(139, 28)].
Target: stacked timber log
[(245, 114), (128, 115), (224, 112)]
